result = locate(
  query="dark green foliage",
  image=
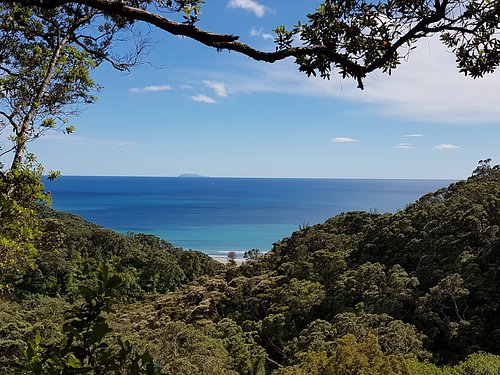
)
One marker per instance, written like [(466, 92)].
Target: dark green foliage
[(361, 36), (23, 235), (450, 241), (21, 320), (349, 356), (248, 358), (144, 263), (82, 349), (475, 364), (415, 292), (183, 349), (360, 294), (423, 281)]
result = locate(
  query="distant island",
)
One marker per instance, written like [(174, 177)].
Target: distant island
[(191, 175)]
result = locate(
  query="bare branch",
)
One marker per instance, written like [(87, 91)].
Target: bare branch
[(215, 40), (10, 118), (8, 71), (7, 151)]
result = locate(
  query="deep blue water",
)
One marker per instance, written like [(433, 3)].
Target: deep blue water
[(216, 215)]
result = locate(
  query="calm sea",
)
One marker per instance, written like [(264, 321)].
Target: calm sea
[(217, 215)]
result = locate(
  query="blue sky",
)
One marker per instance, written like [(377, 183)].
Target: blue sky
[(194, 110)]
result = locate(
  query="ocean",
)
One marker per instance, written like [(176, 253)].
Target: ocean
[(217, 215)]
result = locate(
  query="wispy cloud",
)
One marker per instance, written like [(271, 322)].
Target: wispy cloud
[(445, 146), (413, 135), (86, 141), (404, 146), (260, 33), (343, 140), (427, 88), (203, 99), (218, 87), (154, 88), (251, 5)]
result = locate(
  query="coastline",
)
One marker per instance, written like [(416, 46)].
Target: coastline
[(223, 259)]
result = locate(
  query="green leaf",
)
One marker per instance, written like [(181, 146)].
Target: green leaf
[(113, 283), (52, 175), (103, 268), (99, 331), (87, 293), (73, 362), (49, 123)]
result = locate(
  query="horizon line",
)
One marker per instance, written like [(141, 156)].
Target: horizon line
[(262, 177)]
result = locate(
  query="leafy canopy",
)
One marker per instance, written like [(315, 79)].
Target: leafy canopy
[(351, 37)]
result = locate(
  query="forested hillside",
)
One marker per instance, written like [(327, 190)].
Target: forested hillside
[(414, 292)]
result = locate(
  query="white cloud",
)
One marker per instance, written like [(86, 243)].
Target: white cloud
[(445, 146), (427, 88), (86, 141), (259, 33), (251, 5), (343, 140), (413, 135), (404, 146), (218, 87), (203, 99), (156, 88), (255, 32)]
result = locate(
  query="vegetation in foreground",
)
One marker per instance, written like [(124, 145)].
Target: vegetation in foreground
[(415, 292)]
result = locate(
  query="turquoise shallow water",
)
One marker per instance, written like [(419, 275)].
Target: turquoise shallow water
[(217, 215)]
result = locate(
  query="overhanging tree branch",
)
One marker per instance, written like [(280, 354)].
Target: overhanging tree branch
[(357, 47), (210, 39)]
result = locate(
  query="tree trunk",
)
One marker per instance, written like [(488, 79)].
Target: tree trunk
[(22, 132), (20, 150)]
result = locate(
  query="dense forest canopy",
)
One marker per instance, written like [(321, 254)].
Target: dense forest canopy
[(414, 292)]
